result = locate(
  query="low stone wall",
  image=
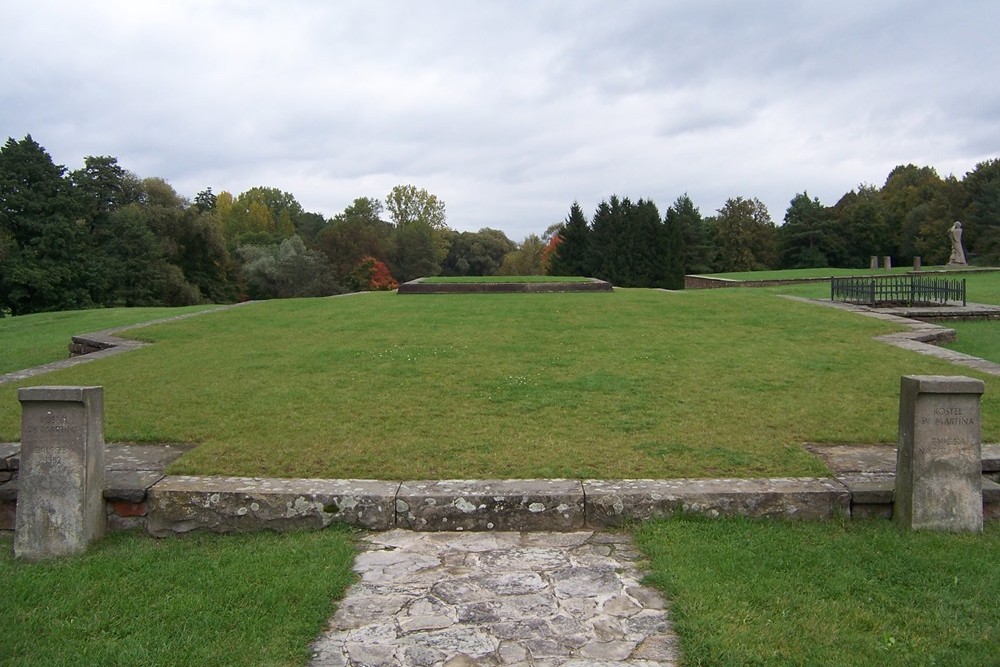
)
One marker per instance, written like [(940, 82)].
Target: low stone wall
[(707, 282), (165, 505), (418, 286)]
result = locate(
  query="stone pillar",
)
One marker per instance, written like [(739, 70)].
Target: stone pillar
[(888, 262), (916, 263), (939, 473), (874, 262), (60, 503)]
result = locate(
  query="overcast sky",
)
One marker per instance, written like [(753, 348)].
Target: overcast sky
[(508, 111)]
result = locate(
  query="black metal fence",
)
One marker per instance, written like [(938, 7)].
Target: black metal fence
[(908, 290)]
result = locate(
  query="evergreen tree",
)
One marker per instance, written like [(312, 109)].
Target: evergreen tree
[(982, 217), (807, 239), (698, 248), (571, 256), (674, 250)]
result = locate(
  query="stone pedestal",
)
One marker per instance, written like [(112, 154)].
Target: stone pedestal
[(60, 504), (888, 262), (938, 463), (874, 265), (916, 263)]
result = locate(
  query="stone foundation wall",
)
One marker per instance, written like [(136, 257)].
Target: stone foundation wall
[(706, 282), (165, 505), (418, 286)]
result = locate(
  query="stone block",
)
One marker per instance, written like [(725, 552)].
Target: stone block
[(518, 504), (939, 458), (178, 504), (869, 488), (9, 455), (991, 500), (126, 456), (8, 491), (617, 502), (129, 486), (60, 508), (991, 458), (124, 508), (7, 514)]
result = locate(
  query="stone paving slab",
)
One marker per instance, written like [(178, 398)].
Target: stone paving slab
[(501, 598), (991, 458), (178, 504), (617, 502), (881, 458), (518, 504), (129, 469)]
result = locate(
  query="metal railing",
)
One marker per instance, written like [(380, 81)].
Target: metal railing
[(908, 290)]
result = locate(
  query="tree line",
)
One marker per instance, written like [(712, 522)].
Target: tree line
[(101, 236), (909, 216)]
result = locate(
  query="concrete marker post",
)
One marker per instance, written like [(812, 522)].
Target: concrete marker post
[(938, 462), (60, 500)]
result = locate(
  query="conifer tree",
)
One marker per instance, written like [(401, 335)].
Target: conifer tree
[(571, 256)]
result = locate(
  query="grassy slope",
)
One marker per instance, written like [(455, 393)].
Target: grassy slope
[(632, 384), (32, 340), (852, 594), (198, 600)]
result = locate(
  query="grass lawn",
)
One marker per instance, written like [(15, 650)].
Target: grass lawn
[(198, 600), (978, 338), (32, 340), (506, 279), (638, 383), (836, 593)]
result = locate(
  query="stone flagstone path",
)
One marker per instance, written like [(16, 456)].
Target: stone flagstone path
[(498, 598)]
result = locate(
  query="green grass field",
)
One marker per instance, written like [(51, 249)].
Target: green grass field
[(198, 600), (639, 383), (851, 594)]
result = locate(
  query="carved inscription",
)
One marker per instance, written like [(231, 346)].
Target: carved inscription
[(948, 417), (50, 426)]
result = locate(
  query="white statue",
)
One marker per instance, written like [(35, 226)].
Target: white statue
[(957, 254)]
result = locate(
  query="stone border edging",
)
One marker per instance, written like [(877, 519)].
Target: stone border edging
[(920, 337), (178, 504), (418, 286)]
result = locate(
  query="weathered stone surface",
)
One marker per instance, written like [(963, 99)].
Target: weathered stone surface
[(939, 461), (869, 488), (7, 514), (991, 458), (10, 455), (856, 458), (128, 485), (615, 502), (60, 508), (551, 505), (178, 504), (142, 458), (497, 598)]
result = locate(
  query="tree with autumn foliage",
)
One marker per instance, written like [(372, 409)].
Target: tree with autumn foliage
[(371, 275)]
